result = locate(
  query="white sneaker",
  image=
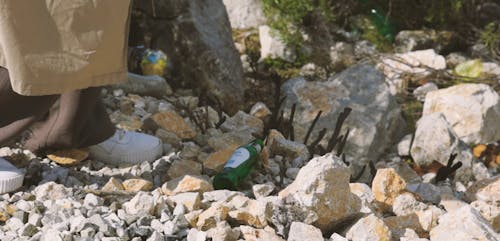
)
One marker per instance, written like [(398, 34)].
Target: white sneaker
[(11, 178), (127, 148)]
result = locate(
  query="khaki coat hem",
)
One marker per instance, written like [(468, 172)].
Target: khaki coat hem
[(47, 87), (56, 46)]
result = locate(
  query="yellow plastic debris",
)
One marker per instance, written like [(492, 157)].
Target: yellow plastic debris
[(469, 69)]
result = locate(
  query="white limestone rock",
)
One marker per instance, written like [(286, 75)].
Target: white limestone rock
[(364, 192), (389, 183), (375, 121), (242, 121), (436, 140), (491, 68), (245, 14), (272, 46), (260, 110), (196, 235), (92, 200), (421, 91), (485, 190), (51, 191), (411, 235), (473, 111), (250, 233), (404, 145), (415, 63), (464, 224), (337, 237), (427, 215), (263, 190), (141, 204), (189, 200), (301, 231), (489, 211), (223, 232), (323, 187)]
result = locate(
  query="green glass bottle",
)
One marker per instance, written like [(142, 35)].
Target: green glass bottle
[(383, 25), (239, 165)]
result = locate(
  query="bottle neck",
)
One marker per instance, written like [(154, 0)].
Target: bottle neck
[(257, 144), (257, 147)]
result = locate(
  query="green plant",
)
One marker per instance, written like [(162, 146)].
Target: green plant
[(252, 48), (368, 31), (437, 17), (413, 14), (287, 17), (490, 37), (284, 69)]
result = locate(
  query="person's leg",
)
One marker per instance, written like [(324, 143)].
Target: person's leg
[(77, 119), (18, 112), (71, 120)]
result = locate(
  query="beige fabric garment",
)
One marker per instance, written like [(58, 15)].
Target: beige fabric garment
[(55, 46)]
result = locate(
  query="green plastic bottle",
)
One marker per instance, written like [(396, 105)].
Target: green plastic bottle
[(239, 165)]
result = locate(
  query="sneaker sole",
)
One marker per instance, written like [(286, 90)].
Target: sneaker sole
[(11, 184), (134, 158)]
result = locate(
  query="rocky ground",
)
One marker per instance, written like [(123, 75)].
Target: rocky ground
[(392, 178)]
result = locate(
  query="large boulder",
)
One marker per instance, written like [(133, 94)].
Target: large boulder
[(463, 224), (322, 186), (375, 121), (245, 14), (435, 140), (197, 37), (473, 111)]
